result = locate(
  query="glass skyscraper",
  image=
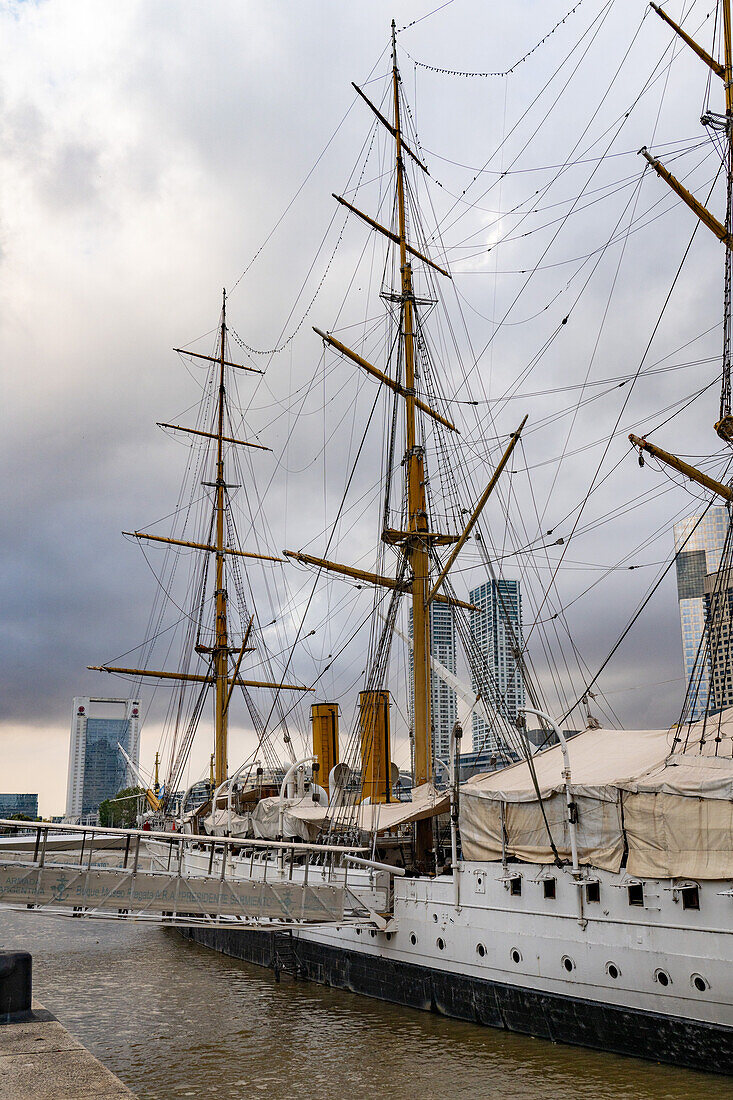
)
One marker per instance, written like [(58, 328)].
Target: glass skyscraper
[(698, 544), (18, 804), (443, 707), (97, 768), (496, 627)]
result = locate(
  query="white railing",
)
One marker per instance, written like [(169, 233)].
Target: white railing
[(178, 878)]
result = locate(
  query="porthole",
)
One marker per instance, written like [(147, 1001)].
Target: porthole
[(612, 970), (516, 955), (700, 983), (372, 932), (413, 938), (388, 935), (358, 931), (440, 943), (480, 950), (435, 917), (662, 977), (568, 963)]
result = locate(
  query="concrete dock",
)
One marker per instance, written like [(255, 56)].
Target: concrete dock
[(39, 1059)]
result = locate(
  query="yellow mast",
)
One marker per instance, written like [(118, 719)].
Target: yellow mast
[(416, 544), (722, 231), (220, 655)]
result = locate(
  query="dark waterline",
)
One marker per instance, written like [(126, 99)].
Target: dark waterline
[(174, 1020)]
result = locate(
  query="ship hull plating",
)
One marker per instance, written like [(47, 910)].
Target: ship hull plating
[(559, 1018)]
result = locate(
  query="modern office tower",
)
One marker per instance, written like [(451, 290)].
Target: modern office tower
[(18, 804), (97, 768), (719, 618), (443, 707), (698, 543), (496, 628)]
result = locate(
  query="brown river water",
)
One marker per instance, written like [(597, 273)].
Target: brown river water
[(174, 1020)]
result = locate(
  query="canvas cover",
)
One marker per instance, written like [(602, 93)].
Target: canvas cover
[(674, 811), (599, 833), (303, 818), (426, 801), (679, 819), (599, 759)]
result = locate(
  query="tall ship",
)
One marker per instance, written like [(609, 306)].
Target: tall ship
[(578, 889)]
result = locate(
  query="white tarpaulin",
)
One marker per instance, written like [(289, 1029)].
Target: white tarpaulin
[(598, 758), (303, 818), (599, 761), (674, 836), (599, 832), (426, 801), (679, 818), (672, 810)]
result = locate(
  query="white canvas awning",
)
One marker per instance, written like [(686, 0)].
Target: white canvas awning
[(500, 812), (426, 801), (305, 819), (672, 811), (678, 818)]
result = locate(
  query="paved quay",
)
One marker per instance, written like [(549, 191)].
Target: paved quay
[(39, 1059)]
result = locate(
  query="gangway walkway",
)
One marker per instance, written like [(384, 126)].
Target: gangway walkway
[(245, 882)]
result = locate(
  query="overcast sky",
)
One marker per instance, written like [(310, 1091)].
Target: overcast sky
[(149, 149)]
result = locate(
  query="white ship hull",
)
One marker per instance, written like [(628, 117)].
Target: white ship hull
[(654, 980)]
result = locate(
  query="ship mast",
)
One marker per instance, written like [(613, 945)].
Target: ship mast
[(218, 674), (220, 656), (722, 230), (416, 543)]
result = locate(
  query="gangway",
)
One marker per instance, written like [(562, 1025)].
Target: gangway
[(179, 879)]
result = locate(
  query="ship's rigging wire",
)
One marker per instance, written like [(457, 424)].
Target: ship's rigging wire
[(310, 172), (506, 72), (672, 47), (638, 611)]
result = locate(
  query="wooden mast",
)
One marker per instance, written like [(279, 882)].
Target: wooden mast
[(724, 427), (723, 231), (220, 655), (417, 542)]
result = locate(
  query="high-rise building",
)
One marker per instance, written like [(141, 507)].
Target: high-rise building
[(496, 628), (97, 768), (719, 618), (11, 804), (443, 707), (698, 543)]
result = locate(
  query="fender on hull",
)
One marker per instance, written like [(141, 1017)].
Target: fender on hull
[(556, 1017)]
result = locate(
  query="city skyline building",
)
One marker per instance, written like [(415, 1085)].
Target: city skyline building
[(496, 626), (97, 769), (443, 703), (11, 804), (698, 544), (719, 617)]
